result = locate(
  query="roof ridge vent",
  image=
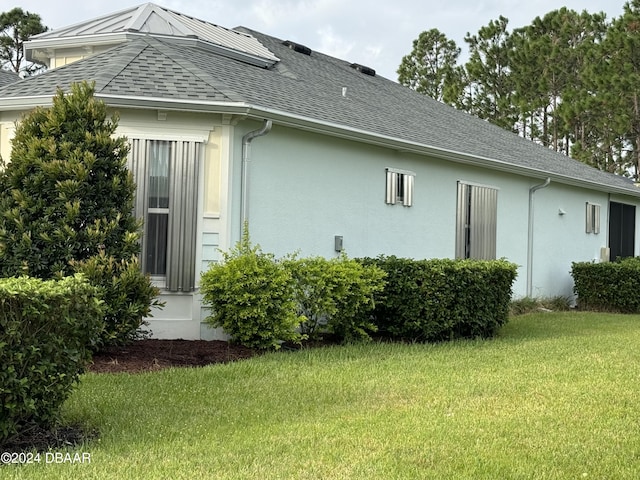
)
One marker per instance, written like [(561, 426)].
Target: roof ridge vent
[(362, 69), (297, 47)]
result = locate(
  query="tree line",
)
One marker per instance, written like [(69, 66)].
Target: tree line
[(569, 81)]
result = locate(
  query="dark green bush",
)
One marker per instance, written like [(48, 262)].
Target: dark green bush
[(335, 295), (442, 299), (67, 196), (47, 329), (611, 286), (250, 294)]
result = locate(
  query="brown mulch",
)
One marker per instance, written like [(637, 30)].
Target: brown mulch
[(152, 355)]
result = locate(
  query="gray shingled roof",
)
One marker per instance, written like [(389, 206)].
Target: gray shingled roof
[(308, 91), (7, 77)]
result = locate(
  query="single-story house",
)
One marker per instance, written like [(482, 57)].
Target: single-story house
[(319, 155)]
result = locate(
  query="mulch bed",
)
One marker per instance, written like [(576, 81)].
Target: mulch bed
[(152, 355)]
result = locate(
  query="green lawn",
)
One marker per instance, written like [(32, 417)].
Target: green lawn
[(557, 395)]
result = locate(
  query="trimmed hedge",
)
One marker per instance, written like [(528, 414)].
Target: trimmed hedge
[(47, 329), (613, 286), (442, 299)]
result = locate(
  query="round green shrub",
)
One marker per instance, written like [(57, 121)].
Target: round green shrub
[(250, 294)]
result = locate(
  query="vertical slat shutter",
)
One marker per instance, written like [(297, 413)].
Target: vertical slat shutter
[(461, 220), (476, 222), (391, 191), (407, 181), (183, 199), (483, 222), (137, 165)]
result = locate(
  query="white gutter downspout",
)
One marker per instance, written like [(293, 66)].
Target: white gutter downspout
[(244, 186), (532, 190)]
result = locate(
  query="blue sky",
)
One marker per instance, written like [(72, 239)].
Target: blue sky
[(376, 34)]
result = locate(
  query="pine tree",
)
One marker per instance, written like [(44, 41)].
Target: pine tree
[(489, 74), (67, 205), (16, 27), (430, 68), (616, 80)]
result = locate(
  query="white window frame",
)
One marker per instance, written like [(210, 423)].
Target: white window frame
[(399, 186)]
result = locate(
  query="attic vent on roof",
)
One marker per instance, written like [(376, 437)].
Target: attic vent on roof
[(297, 47), (362, 69)]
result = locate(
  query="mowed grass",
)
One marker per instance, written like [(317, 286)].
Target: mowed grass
[(555, 396)]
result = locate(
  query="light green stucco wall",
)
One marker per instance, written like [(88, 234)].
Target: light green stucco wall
[(305, 188)]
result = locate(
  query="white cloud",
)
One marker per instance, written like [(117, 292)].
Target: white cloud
[(332, 44)]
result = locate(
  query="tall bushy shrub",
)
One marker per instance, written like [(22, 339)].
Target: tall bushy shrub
[(335, 295), (442, 299), (46, 331), (610, 286), (67, 198), (250, 294)]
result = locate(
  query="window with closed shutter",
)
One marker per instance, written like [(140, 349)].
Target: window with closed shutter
[(166, 174), (476, 221)]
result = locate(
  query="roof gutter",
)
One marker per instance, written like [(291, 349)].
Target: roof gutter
[(244, 185), (532, 191)]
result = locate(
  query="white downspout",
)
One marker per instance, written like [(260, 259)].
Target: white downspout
[(532, 190), (244, 186)]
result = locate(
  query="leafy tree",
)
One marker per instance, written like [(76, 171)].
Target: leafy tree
[(16, 27), (430, 68), (67, 204)]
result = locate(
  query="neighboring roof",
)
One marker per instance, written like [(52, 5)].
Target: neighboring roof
[(314, 92), (7, 77), (152, 19)]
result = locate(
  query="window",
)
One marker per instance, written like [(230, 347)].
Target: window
[(593, 218), (166, 175), (399, 187), (476, 221)]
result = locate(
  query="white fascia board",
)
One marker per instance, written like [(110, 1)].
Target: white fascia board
[(25, 103), (77, 41)]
